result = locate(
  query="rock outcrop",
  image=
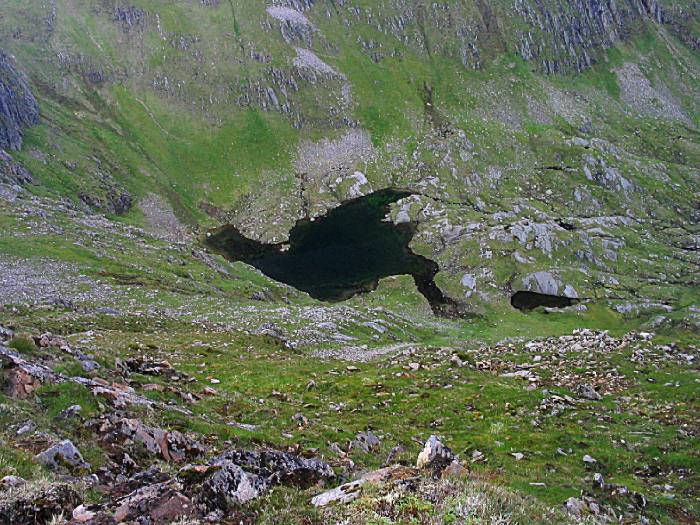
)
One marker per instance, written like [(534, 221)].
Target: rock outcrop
[(131, 433), (159, 503), (278, 467), (12, 172), (39, 505), (21, 378)]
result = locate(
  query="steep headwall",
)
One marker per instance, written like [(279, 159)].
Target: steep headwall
[(18, 107), (563, 36)]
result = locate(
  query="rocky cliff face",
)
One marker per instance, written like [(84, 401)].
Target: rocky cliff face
[(558, 37), (568, 36), (18, 107)]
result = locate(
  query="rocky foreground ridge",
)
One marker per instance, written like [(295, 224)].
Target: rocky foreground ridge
[(148, 474)]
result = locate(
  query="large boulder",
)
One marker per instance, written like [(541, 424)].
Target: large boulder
[(64, 453), (20, 378), (18, 107), (238, 476), (156, 504), (229, 485), (542, 282)]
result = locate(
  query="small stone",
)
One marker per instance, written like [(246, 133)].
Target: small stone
[(348, 492), (26, 427), (455, 470), (343, 494), (478, 456), (9, 482), (588, 392), (434, 456), (588, 459), (300, 419), (456, 361), (71, 411), (598, 480), (82, 515), (88, 365), (575, 506), (108, 311), (366, 441)]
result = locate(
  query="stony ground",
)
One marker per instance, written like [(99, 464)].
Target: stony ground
[(123, 418)]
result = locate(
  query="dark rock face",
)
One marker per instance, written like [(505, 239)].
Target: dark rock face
[(18, 107), (681, 19), (564, 36)]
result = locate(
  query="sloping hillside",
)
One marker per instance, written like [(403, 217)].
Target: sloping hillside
[(551, 154), (261, 114)]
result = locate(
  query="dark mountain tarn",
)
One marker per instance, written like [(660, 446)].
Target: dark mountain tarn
[(525, 300), (343, 253)]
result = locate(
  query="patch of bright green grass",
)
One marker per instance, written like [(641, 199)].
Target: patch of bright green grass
[(56, 398), (24, 345)]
